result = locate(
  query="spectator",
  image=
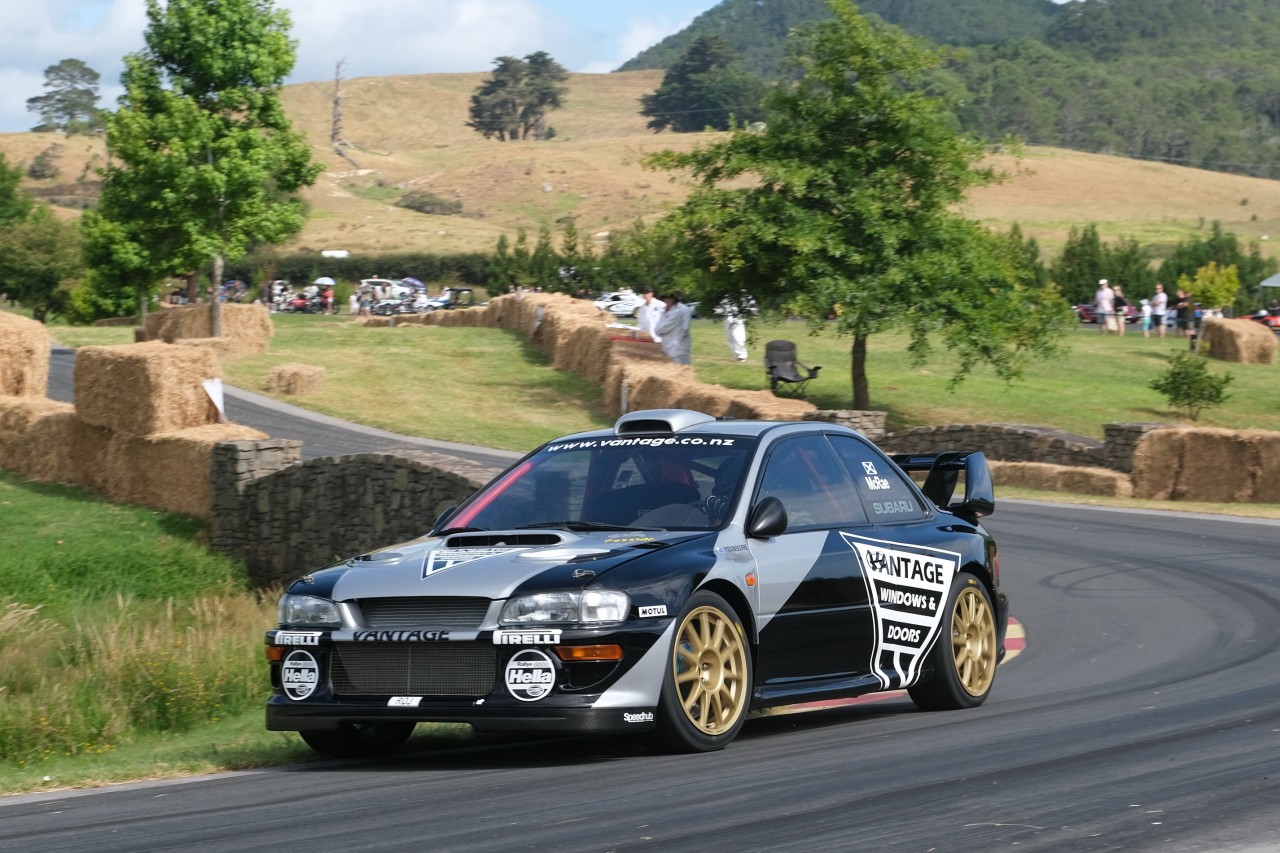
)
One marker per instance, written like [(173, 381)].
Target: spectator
[(673, 328), (1121, 303), (1104, 306), (1159, 308), (1184, 313), (1146, 317), (735, 330), (649, 314)]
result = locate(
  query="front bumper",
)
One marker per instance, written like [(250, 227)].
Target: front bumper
[(322, 679)]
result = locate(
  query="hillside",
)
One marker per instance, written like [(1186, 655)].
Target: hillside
[(410, 132)]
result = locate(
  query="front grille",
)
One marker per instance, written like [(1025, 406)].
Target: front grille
[(408, 612), (451, 670)]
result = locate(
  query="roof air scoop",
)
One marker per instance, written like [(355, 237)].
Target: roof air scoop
[(651, 421)]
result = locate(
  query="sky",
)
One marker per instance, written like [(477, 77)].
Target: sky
[(372, 38)]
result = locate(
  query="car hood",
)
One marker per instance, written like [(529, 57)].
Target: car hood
[(492, 564)]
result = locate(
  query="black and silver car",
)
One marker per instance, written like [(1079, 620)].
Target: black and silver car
[(667, 577)]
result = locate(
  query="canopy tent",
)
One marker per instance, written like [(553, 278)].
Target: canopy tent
[(1274, 281)]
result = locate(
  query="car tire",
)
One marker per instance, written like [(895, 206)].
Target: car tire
[(706, 685), (359, 740), (960, 668)]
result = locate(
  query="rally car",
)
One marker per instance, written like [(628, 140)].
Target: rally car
[(667, 576)]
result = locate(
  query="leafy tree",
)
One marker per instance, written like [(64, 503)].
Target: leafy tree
[(71, 102), (204, 163), (846, 204), (1081, 263), (39, 256), (1212, 287), (513, 102), (1222, 248), (704, 89), (14, 203), (1188, 385)]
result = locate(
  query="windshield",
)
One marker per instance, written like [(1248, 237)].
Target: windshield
[(650, 482)]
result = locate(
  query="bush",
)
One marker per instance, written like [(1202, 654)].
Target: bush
[(45, 164), (1188, 385), (425, 201)]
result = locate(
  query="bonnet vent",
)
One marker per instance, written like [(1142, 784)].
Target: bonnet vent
[(659, 421), (498, 540)]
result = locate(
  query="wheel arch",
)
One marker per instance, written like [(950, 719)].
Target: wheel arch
[(741, 608)]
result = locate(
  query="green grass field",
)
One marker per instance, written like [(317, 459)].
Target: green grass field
[(490, 387)]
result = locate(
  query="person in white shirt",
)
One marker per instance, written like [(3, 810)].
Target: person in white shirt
[(674, 328), (735, 330), (650, 314), (1104, 306), (1159, 307)]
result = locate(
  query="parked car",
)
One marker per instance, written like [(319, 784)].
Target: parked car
[(620, 303), (452, 297), (663, 577), (1270, 319), (1085, 312), (385, 288)]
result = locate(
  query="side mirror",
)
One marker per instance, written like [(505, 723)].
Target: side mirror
[(768, 519), (443, 517)]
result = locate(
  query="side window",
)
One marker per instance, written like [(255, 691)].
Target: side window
[(807, 476), (885, 492)]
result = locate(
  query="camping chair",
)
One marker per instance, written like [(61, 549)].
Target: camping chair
[(787, 376)]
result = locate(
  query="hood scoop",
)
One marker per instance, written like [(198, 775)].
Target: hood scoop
[(500, 540)]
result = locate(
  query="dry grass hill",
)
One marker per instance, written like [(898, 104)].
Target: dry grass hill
[(410, 132)]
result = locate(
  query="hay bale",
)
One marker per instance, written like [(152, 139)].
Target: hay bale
[(1266, 448), (1215, 465), (764, 406), (170, 470), (1061, 478), (140, 389), (296, 379), (24, 356), (245, 328), (1241, 340), (25, 431)]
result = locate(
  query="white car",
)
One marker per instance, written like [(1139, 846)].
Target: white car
[(620, 303)]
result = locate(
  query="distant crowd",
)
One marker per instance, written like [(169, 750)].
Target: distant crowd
[(1113, 311)]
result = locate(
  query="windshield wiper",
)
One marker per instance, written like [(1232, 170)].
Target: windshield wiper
[(580, 525)]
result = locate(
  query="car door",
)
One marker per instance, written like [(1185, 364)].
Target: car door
[(813, 606), (909, 558)]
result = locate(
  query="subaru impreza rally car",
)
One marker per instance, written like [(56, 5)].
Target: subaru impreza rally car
[(667, 576)]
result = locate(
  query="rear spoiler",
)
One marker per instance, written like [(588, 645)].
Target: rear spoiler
[(944, 471)]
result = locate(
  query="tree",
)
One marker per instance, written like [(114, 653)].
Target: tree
[(71, 102), (846, 205), (704, 89), (1212, 287), (204, 163), (1188, 385), (39, 256), (512, 103), (14, 203)]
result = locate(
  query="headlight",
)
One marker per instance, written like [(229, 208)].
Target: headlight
[(588, 607), (308, 611)]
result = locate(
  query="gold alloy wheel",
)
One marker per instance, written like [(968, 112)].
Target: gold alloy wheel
[(709, 662), (973, 641)]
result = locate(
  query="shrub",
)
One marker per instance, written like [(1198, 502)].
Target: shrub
[(44, 165), (1188, 385), (425, 201)]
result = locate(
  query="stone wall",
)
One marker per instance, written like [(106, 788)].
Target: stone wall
[(1003, 442), (869, 423), (283, 518)]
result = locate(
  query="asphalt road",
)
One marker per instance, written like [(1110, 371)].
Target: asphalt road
[(1144, 715)]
